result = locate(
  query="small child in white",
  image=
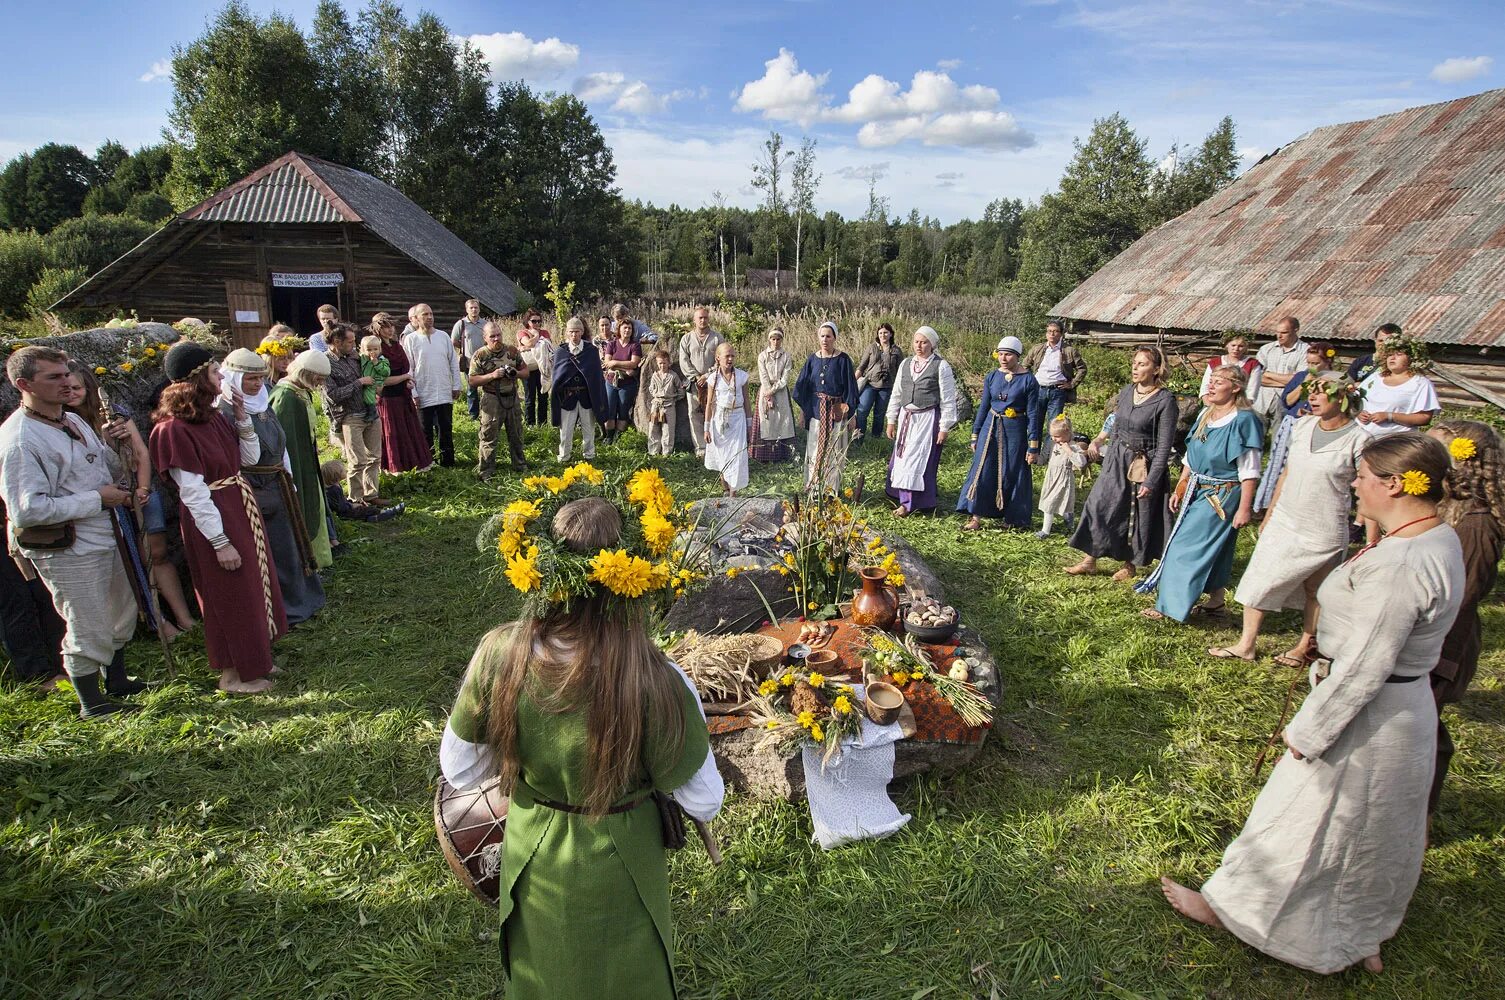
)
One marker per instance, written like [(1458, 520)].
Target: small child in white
[(665, 388), (1058, 493)]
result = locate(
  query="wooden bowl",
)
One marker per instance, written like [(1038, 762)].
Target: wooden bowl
[(823, 661), (883, 702)]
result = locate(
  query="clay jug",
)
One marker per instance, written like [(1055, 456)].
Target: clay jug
[(876, 604)]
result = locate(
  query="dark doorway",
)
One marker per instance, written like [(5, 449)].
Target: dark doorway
[(299, 307)]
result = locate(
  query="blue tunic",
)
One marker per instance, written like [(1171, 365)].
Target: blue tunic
[(825, 377), (1199, 556), (998, 467)]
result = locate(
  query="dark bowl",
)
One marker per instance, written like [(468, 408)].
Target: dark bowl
[(933, 634)]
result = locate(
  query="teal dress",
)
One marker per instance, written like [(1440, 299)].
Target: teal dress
[(1199, 553), (584, 905)]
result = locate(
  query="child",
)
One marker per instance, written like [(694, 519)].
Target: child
[(665, 388), (1058, 493), (333, 474), (377, 368)]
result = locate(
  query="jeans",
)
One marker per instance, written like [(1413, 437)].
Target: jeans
[(620, 399), (872, 395), (439, 423), (1053, 402), (473, 402), (536, 401)]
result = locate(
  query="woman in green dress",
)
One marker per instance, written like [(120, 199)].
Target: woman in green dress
[(583, 717), (293, 402)]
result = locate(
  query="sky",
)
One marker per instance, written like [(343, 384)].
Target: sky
[(943, 106)]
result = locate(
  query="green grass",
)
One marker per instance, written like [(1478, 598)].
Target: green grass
[(282, 846)]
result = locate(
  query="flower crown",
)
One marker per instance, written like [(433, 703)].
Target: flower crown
[(546, 571), (282, 347), (1462, 448)]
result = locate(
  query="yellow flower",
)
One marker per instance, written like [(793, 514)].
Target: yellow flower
[(811, 606), (658, 531), (917, 672), (518, 514), (99, 369), (817, 680), (816, 733), (787, 680), (1010, 412), (150, 352), (806, 719), (510, 544), (783, 570), (771, 724), (648, 490), (768, 687), (163, 347), (127, 367), (843, 704), (847, 493), (789, 559), (731, 572), (895, 579), (1331, 353), (585, 471), (900, 677), (1415, 482), (623, 574), (1462, 448), (522, 570), (660, 576)]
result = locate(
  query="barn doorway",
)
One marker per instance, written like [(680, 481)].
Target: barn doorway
[(296, 298)]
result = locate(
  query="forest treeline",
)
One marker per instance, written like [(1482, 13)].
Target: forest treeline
[(528, 179)]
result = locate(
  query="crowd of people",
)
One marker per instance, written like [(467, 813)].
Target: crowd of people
[(1317, 458)]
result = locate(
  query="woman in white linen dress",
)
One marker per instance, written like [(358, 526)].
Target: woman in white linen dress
[(1306, 532), (921, 413), (1326, 864), (726, 428), (775, 436)]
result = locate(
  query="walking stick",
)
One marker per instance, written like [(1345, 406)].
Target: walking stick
[(138, 517), (708, 838)]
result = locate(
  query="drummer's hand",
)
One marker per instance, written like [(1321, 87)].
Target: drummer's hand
[(229, 559)]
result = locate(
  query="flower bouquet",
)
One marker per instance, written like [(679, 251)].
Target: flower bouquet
[(905, 661), (799, 709)]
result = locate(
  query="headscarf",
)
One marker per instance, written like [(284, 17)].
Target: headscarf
[(1010, 344), (929, 334), (256, 404), (834, 331)]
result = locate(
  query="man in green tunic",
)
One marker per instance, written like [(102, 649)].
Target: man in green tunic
[(293, 403)]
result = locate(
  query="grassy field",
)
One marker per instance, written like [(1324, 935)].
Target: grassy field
[(282, 846)]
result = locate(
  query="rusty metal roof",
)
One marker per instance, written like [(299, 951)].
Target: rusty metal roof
[(297, 189), (1395, 219)]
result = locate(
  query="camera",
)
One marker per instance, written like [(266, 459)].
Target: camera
[(509, 371)]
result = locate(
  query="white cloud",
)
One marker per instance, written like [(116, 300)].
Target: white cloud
[(784, 92), (973, 129), (1458, 69), (870, 174), (161, 70), (950, 64), (632, 97), (1251, 153), (514, 56)]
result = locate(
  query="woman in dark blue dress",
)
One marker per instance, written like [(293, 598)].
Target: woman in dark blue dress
[(1005, 443)]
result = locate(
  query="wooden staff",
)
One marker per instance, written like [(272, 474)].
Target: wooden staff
[(708, 838), (138, 516)]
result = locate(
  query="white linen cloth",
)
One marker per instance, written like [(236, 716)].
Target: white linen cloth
[(1058, 491), (1325, 866), (848, 797), (727, 451), (916, 429), (775, 415), (436, 369), (466, 765)]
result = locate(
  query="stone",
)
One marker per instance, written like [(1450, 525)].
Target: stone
[(105, 347)]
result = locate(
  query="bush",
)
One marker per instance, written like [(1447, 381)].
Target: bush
[(23, 257), (92, 241), (53, 284)]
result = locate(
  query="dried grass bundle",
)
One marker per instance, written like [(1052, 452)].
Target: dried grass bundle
[(720, 665)]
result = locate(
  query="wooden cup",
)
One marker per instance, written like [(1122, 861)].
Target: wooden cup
[(884, 702)]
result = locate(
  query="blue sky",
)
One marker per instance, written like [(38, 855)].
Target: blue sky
[(949, 105)]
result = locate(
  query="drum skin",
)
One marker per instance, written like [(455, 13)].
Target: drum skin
[(470, 824)]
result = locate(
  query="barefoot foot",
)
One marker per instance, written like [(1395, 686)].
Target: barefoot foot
[(234, 685), (1086, 567), (1373, 964), (1188, 902)]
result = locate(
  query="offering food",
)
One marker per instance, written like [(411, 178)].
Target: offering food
[(816, 633), (927, 612)]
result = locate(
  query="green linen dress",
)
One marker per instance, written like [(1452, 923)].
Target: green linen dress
[(584, 905), (295, 412)]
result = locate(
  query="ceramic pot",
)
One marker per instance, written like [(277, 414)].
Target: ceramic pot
[(883, 702), (876, 605)]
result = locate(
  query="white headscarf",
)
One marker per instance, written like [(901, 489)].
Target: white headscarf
[(929, 334), (832, 325), (256, 404)]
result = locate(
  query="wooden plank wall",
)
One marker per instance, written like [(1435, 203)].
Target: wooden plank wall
[(377, 277)]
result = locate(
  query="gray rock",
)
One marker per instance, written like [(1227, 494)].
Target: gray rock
[(106, 348)]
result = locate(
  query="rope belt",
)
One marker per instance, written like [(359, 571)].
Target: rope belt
[(903, 435), (258, 531), (1217, 489), (994, 417), (294, 511)]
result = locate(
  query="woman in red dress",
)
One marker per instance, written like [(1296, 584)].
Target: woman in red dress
[(403, 446), (224, 538)]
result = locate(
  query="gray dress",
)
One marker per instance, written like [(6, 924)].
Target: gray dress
[(1326, 864), (302, 593)]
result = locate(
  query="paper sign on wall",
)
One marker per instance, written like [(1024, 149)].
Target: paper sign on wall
[(325, 279), (247, 316)]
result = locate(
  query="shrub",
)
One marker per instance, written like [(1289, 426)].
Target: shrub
[(23, 257), (53, 284), (92, 241)]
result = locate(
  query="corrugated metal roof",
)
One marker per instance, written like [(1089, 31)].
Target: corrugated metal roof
[(1399, 218), (283, 195)]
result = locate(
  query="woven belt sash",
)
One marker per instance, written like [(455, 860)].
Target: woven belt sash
[(294, 512), (1216, 489), (258, 531)]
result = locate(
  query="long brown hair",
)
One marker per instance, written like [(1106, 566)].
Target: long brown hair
[(89, 409), (191, 399), (1475, 482), (583, 658)]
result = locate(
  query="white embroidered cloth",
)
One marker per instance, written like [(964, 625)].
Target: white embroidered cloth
[(849, 796)]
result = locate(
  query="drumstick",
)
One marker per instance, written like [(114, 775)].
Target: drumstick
[(708, 838)]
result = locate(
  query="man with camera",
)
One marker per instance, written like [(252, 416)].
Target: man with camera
[(58, 479), (495, 371)]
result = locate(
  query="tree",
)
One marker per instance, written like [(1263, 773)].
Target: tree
[(804, 180), (89, 242), (1203, 174), (719, 200), (1101, 207), (134, 185), (873, 230), (768, 172), (351, 88), (42, 188)]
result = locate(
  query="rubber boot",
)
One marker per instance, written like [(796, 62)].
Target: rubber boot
[(92, 704), (117, 684)]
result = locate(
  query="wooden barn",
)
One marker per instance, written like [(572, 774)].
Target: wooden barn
[(277, 244), (1397, 219)]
